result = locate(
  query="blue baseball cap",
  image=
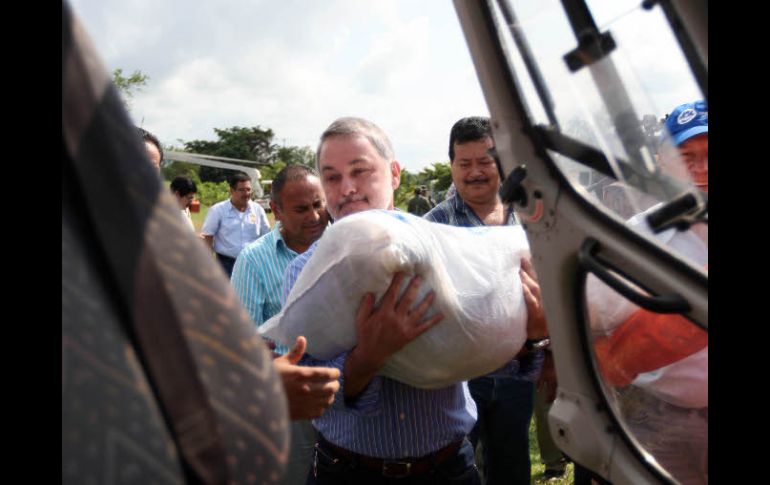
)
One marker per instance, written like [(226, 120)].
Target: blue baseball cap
[(686, 121)]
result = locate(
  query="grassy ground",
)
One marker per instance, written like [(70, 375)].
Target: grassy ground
[(199, 217), (538, 468)]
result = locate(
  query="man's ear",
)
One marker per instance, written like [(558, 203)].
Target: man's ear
[(395, 171), (275, 209)]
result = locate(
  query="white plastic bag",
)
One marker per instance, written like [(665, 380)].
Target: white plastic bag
[(474, 273)]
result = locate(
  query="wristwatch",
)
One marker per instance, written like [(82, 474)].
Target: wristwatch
[(539, 344)]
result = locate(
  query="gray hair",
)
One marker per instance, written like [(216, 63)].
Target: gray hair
[(348, 126)]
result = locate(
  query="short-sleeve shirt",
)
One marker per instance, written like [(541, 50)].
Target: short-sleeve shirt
[(232, 229), (187, 218)]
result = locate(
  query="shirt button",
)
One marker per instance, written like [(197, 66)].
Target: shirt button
[(402, 416)]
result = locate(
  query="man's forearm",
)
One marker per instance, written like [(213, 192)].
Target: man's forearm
[(209, 241), (358, 373)]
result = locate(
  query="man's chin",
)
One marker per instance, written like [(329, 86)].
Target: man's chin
[(315, 231), (477, 192), (477, 187), (352, 208)]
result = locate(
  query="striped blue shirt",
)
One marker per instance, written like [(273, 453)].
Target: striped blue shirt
[(455, 212), (389, 419), (232, 229), (258, 277)]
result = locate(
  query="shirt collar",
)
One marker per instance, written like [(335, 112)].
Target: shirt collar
[(459, 206), (280, 243), (231, 207)]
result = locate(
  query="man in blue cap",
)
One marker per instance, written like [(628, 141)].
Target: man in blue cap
[(663, 386), (687, 135)]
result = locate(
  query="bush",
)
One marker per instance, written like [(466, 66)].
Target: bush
[(209, 193)]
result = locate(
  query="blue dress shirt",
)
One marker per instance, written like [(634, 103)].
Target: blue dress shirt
[(389, 419)]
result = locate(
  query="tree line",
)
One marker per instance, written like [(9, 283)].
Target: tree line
[(256, 143)]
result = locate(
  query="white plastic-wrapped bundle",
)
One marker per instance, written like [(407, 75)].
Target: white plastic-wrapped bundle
[(474, 273)]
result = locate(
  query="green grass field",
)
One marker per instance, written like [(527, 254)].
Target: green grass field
[(199, 217)]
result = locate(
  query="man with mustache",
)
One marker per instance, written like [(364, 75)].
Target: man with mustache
[(505, 397), (232, 224), (658, 362), (299, 206)]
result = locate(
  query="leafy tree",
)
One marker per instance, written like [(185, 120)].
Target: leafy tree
[(128, 84), (440, 172), (302, 155), (286, 156), (252, 143), (269, 172), (437, 177), (405, 190), (177, 169)]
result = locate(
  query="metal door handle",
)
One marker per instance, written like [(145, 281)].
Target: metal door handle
[(669, 303)]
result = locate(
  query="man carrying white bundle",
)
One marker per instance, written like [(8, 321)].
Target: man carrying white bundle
[(380, 430), (505, 397)]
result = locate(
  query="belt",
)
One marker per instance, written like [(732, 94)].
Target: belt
[(397, 468)]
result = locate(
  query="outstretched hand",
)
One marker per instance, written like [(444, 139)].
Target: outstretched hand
[(310, 390)]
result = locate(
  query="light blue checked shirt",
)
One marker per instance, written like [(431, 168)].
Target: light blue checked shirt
[(455, 212), (258, 277), (389, 419)]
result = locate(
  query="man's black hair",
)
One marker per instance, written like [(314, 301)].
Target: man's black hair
[(183, 185), (290, 173), (147, 136), (238, 177), (472, 128)]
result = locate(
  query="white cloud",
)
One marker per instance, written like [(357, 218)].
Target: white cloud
[(296, 65), (293, 67)]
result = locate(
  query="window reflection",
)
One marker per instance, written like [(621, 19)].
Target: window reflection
[(654, 369)]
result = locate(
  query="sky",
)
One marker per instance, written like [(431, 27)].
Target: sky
[(296, 65)]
